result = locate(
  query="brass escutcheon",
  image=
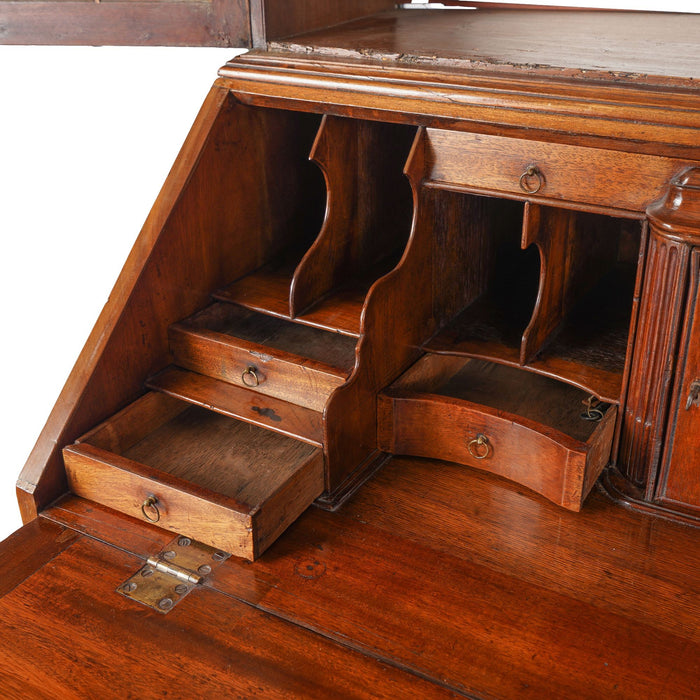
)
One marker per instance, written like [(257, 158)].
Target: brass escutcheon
[(530, 172), (479, 447), (250, 376), (150, 510)]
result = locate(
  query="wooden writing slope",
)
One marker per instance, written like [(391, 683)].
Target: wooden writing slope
[(435, 272)]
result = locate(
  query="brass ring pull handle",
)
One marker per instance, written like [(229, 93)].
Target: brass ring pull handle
[(532, 171), (479, 447), (150, 510), (250, 376)]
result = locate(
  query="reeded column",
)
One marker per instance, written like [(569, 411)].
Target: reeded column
[(674, 230)]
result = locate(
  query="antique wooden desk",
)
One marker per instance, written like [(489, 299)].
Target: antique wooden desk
[(465, 236)]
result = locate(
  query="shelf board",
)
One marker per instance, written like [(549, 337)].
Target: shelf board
[(488, 328), (267, 288), (341, 309), (588, 351)]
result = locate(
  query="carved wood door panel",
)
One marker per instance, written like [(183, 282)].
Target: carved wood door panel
[(680, 476)]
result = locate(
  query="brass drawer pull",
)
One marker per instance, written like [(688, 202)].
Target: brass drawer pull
[(479, 447), (532, 171), (250, 376), (150, 510)]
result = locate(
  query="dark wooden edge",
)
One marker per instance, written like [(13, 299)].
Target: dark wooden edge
[(331, 501), (616, 487), (284, 18), (224, 23), (601, 115), (534, 199)]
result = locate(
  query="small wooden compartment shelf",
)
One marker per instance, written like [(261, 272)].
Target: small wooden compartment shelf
[(541, 286), (512, 422), (495, 284), (228, 484), (280, 201), (367, 221)]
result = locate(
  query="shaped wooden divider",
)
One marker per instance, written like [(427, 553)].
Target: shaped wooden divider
[(367, 220)]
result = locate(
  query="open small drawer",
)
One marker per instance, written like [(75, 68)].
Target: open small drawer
[(229, 484), (520, 425)]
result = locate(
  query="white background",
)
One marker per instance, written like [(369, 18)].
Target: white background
[(87, 136)]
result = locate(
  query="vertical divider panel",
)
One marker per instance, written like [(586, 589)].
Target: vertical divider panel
[(548, 229), (365, 222), (322, 265), (274, 190), (398, 319)]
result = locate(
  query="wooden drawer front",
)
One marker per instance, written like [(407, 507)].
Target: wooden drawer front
[(560, 468), (230, 485), (593, 176), (419, 417), (283, 375)]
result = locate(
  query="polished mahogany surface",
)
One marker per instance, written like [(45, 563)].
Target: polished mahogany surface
[(433, 580)]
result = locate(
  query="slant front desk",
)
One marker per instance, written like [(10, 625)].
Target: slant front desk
[(437, 273)]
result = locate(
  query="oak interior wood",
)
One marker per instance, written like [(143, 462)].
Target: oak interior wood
[(241, 461), (213, 451)]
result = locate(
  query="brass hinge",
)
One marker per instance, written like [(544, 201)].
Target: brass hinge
[(169, 576)]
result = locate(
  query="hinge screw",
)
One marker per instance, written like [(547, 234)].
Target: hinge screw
[(181, 589), (165, 603), (129, 587), (204, 569), (147, 572), (169, 554), (184, 541), (218, 556)]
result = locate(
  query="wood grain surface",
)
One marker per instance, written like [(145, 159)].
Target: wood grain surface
[(63, 636), (601, 45), (679, 486), (461, 578), (531, 426)]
